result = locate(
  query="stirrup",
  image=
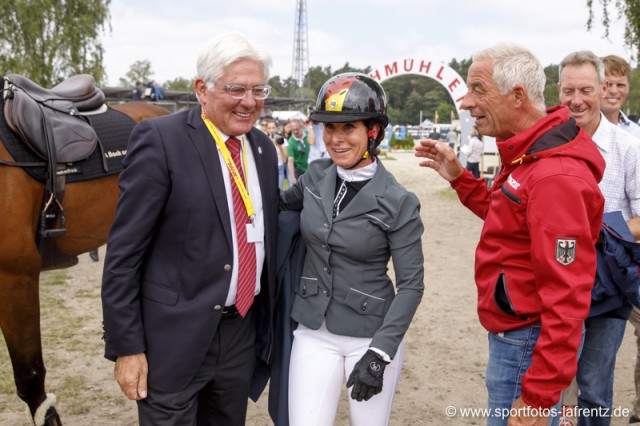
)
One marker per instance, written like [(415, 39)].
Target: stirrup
[(50, 212)]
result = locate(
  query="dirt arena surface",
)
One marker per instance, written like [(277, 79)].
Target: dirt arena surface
[(446, 348)]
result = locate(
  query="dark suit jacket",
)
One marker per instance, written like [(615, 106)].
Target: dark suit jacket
[(167, 269)]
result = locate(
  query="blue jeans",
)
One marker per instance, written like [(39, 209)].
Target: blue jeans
[(509, 359), (596, 365)]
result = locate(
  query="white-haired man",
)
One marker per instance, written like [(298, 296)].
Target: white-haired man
[(535, 261), (188, 288)]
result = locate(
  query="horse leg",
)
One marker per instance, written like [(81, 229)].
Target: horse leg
[(19, 289), (20, 323)]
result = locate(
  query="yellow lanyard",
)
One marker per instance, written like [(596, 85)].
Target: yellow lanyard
[(233, 170)]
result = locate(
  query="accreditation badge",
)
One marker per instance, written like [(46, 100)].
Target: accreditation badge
[(255, 232)]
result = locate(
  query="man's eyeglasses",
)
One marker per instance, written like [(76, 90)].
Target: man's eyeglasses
[(239, 91)]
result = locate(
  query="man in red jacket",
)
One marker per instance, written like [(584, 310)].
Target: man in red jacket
[(535, 262)]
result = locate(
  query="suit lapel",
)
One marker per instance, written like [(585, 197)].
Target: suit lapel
[(206, 147), (257, 148)]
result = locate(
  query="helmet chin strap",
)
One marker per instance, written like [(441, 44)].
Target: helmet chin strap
[(371, 143)]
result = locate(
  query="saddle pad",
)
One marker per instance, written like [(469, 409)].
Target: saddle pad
[(113, 129)]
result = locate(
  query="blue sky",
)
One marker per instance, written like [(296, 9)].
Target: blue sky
[(170, 33)]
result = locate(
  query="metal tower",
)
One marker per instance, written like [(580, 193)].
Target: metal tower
[(300, 66)]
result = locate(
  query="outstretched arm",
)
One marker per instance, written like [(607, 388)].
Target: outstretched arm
[(441, 158), (292, 171)]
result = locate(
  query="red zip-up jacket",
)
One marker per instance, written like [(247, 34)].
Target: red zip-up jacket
[(536, 259)]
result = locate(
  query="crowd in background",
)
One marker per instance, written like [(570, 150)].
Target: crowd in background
[(298, 142)]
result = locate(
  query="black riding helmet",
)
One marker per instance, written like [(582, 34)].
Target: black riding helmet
[(353, 97)]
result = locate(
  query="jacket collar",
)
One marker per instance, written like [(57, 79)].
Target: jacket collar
[(517, 146), (364, 201)]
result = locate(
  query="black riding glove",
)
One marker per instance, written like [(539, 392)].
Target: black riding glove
[(366, 377)]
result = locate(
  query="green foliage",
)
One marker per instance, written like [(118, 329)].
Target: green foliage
[(397, 143), (395, 114), (407, 95), (281, 88), (461, 67), (139, 71), (415, 102), (551, 95), (277, 87), (410, 143), (179, 84), (628, 9), (632, 106), (444, 112), (50, 40), (316, 76)]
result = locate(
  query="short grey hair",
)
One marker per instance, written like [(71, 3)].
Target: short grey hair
[(516, 66), (582, 57), (227, 48)]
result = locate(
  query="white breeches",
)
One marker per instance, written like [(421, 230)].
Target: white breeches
[(321, 362)]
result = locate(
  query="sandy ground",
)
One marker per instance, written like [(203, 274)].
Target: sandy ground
[(446, 348)]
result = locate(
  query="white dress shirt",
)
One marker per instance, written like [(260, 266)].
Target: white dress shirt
[(251, 176), (620, 184)]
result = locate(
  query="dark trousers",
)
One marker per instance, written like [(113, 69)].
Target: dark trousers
[(474, 168), (218, 394)]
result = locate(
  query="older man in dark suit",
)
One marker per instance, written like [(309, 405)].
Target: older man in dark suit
[(189, 278)]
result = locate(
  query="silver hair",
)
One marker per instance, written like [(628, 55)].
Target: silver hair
[(225, 49), (582, 57), (516, 66)]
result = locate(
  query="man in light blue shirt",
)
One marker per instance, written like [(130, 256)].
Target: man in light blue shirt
[(617, 74)]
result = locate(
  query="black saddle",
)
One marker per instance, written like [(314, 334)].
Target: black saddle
[(48, 120), (79, 89)]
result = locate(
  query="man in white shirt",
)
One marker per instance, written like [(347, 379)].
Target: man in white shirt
[(281, 145), (318, 148), (582, 87), (617, 74)]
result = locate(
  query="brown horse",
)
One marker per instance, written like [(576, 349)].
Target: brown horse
[(90, 208)]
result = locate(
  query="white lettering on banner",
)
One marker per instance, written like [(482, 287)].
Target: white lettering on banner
[(437, 70), (443, 74)]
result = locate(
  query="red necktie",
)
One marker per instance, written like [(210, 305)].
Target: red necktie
[(246, 250)]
